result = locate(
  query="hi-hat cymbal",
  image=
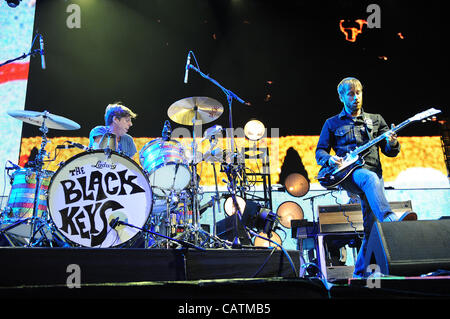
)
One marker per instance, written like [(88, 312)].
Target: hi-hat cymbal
[(51, 120), (204, 109)]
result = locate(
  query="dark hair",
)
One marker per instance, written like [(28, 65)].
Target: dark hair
[(117, 110)]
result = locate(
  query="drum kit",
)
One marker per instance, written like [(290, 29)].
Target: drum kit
[(102, 198)]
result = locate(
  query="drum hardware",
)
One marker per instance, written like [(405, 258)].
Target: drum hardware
[(195, 111), (211, 134), (116, 222), (44, 120)]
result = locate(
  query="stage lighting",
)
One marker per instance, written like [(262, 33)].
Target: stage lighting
[(288, 211), (13, 3), (261, 242), (254, 130), (257, 217), (229, 207), (296, 185), (252, 214)]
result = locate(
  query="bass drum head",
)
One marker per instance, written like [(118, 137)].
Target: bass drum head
[(91, 191)]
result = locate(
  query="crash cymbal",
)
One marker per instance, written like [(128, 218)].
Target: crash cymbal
[(288, 211), (204, 108), (51, 120), (296, 184)]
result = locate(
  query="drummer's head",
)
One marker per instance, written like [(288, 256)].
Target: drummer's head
[(117, 112)]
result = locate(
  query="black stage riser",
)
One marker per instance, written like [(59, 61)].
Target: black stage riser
[(49, 266)]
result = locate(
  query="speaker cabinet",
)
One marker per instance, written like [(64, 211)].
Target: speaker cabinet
[(409, 248), (348, 217), (229, 227)]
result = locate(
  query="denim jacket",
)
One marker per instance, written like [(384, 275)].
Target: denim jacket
[(343, 133)]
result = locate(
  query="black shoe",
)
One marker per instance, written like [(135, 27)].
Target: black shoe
[(408, 216)]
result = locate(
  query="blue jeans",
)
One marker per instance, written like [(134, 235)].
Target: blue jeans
[(374, 204)]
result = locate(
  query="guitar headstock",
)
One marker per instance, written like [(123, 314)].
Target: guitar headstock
[(425, 114)]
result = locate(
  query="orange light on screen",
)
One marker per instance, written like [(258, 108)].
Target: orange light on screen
[(352, 33)]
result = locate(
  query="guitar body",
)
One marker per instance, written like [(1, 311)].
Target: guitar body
[(332, 176)]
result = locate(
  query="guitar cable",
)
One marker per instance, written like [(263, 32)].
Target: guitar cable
[(346, 216)]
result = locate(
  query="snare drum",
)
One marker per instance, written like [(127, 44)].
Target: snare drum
[(92, 191), (166, 166)]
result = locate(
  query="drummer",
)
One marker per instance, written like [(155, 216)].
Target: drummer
[(118, 120)]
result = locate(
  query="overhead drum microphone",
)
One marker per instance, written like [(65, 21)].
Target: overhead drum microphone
[(188, 62), (41, 42), (167, 131)]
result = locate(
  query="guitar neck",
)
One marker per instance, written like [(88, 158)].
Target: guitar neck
[(378, 139)]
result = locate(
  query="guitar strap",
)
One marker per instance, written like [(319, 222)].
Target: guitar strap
[(366, 127)]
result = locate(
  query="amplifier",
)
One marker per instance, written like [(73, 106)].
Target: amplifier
[(341, 218)]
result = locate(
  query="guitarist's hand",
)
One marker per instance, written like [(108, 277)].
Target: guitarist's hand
[(335, 160), (391, 136)]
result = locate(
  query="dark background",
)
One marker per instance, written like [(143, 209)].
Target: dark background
[(284, 57)]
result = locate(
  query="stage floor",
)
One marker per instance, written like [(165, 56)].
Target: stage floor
[(186, 274)]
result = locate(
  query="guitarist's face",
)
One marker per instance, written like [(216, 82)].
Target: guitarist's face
[(352, 99)]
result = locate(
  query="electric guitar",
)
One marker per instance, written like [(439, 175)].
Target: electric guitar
[(331, 176)]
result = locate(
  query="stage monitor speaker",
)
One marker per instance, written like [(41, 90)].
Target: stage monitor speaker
[(409, 248)]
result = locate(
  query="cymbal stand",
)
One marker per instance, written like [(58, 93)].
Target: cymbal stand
[(39, 163), (168, 219), (215, 199), (195, 186)]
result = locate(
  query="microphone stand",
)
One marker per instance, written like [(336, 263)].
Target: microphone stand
[(230, 172), (230, 96), (181, 242), (311, 199), (23, 56)]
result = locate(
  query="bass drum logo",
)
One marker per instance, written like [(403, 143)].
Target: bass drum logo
[(91, 190)]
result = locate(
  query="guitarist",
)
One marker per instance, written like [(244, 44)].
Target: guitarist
[(345, 131)]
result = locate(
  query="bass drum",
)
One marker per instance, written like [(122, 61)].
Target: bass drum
[(92, 191)]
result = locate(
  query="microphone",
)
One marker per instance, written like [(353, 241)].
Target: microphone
[(113, 223), (167, 131), (73, 145), (78, 145), (41, 41), (14, 166), (188, 62), (65, 146)]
